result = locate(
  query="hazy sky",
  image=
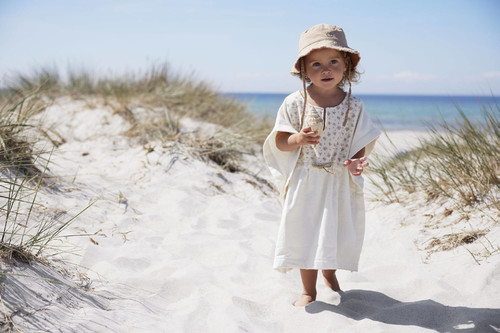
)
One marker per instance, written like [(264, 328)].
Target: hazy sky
[(407, 47)]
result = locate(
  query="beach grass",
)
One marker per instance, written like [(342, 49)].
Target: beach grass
[(153, 101), (16, 141), (20, 170), (456, 165), (24, 233), (460, 162), (23, 174)]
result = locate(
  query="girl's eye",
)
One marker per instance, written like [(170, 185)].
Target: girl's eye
[(316, 64), (333, 61)]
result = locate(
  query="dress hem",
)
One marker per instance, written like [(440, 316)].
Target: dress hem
[(284, 266)]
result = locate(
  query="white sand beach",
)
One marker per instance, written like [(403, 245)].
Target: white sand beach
[(176, 244)]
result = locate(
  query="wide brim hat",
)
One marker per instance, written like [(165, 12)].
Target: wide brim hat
[(321, 36)]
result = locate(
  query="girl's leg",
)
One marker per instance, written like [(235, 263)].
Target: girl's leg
[(309, 277), (331, 279)]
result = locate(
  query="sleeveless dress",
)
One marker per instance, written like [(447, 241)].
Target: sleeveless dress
[(323, 218)]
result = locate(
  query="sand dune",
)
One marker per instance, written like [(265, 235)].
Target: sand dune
[(178, 245)]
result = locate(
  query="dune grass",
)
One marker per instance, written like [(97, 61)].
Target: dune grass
[(458, 161), (25, 234), (23, 174), (457, 167), (154, 101), (156, 88), (16, 144)]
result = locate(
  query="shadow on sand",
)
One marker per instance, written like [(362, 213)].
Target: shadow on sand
[(361, 304)]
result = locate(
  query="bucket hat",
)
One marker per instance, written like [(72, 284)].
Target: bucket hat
[(323, 35)]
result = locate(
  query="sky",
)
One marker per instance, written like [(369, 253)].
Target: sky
[(430, 47)]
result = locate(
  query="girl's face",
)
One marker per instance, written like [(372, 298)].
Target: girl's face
[(325, 67)]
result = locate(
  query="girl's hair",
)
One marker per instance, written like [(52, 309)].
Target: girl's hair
[(350, 75)]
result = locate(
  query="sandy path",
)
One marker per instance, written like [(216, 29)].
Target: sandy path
[(178, 245)]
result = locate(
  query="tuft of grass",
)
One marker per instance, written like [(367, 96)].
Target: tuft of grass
[(22, 176), (462, 239), (451, 241), (6, 322), (157, 87), (153, 102), (458, 162), (456, 168), (46, 79), (16, 143), (23, 236), (220, 152)]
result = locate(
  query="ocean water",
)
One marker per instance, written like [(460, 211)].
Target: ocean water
[(392, 112)]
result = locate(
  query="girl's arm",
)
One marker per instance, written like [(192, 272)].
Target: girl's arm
[(290, 141)]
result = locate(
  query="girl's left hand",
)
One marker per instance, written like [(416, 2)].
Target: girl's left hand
[(356, 165)]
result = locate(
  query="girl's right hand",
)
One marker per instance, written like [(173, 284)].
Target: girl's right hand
[(307, 137), (287, 141)]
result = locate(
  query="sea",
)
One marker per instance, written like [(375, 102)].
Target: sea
[(393, 112)]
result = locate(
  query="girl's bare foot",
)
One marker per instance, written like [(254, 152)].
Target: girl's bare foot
[(304, 300), (309, 277), (331, 279)]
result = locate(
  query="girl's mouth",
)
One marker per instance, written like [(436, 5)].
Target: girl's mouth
[(326, 80)]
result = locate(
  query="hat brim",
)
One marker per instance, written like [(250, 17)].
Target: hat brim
[(355, 57)]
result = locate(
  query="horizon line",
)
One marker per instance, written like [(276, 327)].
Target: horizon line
[(372, 94)]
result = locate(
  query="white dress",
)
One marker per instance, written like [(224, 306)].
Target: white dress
[(323, 218)]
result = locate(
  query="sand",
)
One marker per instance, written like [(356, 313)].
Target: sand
[(176, 244)]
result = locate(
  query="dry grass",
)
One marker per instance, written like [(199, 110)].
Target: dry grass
[(451, 241), (459, 162), (6, 323), (23, 174), (153, 101), (24, 234), (484, 249), (16, 139), (456, 170)]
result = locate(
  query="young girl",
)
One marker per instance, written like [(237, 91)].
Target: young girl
[(316, 153)]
